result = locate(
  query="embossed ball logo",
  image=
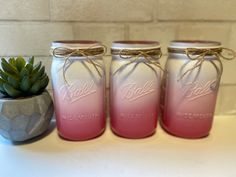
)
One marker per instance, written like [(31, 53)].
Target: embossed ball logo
[(75, 91), (194, 90), (133, 91)]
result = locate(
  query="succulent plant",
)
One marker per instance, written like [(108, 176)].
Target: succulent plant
[(19, 78)]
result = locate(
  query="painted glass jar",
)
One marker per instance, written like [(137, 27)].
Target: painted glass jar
[(135, 78), (191, 84), (78, 81)]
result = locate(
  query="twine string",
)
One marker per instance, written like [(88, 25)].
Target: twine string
[(67, 53), (199, 55), (151, 58)]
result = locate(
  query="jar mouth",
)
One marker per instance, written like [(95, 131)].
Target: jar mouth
[(201, 44), (76, 44), (135, 44)]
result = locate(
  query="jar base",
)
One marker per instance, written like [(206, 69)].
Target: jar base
[(182, 135), (81, 139), (132, 137)]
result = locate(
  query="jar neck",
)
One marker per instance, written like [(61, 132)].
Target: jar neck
[(182, 56), (77, 49), (136, 49), (195, 49)]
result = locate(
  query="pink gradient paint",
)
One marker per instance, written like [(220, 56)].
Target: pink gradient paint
[(134, 93), (189, 103), (79, 103)]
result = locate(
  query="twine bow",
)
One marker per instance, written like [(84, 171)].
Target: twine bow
[(67, 53), (151, 57), (199, 55)]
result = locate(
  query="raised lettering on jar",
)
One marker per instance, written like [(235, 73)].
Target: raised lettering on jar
[(78, 81), (190, 86), (135, 88)]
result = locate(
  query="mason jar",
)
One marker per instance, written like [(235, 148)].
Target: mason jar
[(135, 78), (193, 72), (78, 82)]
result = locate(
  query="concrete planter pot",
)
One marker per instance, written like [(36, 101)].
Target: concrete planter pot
[(24, 118)]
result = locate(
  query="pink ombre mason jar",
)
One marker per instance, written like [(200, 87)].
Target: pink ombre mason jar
[(79, 88), (134, 88), (191, 85)]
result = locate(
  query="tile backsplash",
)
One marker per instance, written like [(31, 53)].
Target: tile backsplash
[(28, 27)]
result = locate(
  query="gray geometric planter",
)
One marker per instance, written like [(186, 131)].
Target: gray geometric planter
[(24, 118)]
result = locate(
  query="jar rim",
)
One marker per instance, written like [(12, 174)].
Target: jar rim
[(204, 44), (76, 44), (135, 44)]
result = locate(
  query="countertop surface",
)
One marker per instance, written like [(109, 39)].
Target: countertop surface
[(160, 155)]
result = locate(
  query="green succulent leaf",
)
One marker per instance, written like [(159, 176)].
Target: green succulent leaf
[(31, 60), (41, 71), (24, 72), (2, 89), (20, 63), (18, 78), (25, 84), (2, 81), (44, 82), (11, 91), (9, 68), (13, 81), (29, 67), (42, 76), (12, 61), (1, 85), (3, 75), (37, 67), (35, 87), (36, 76)]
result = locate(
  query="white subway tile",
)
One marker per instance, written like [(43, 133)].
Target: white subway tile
[(31, 38), (163, 33), (196, 10), (24, 10), (106, 33), (103, 10)]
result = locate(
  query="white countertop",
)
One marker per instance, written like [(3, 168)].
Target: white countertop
[(161, 155)]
